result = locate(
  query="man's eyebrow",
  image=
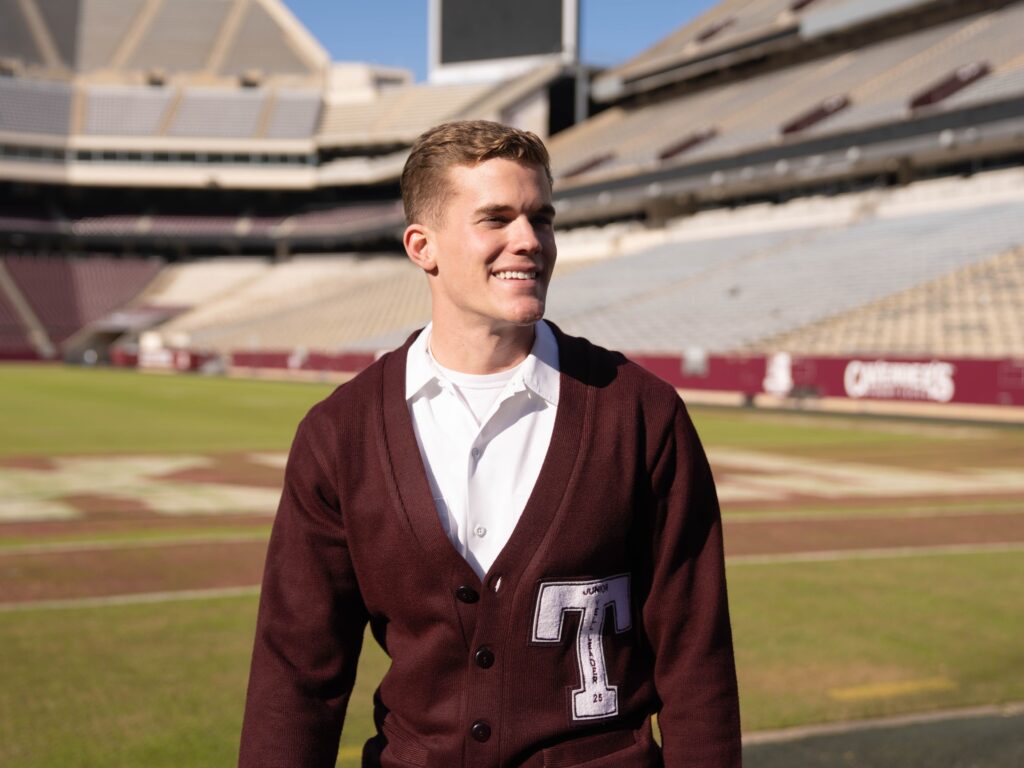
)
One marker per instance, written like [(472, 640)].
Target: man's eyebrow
[(547, 209)]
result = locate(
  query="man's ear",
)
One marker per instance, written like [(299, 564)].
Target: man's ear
[(419, 247)]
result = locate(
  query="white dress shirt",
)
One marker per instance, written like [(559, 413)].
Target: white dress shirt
[(482, 440)]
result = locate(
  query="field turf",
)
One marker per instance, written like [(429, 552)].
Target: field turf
[(833, 636)]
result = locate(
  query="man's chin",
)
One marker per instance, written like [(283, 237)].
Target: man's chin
[(527, 316)]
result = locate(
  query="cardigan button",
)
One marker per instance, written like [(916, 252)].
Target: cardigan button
[(467, 594), (480, 731), (484, 657)]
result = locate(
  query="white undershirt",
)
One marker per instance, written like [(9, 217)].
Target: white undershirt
[(483, 440), (478, 391)]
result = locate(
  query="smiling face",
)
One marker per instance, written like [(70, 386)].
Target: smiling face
[(490, 254)]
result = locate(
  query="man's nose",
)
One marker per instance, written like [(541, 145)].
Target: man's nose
[(524, 236)]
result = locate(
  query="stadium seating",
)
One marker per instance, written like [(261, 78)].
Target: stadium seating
[(128, 225), (273, 310), (328, 220), (877, 83), (723, 293), (14, 341), (723, 26), (993, 39), (294, 115), (743, 30), (975, 311), (400, 114), (125, 110), (68, 293), (192, 225), (26, 218), (749, 269), (216, 112), (191, 284), (1001, 47), (34, 106), (348, 316), (810, 272), (935, 265)]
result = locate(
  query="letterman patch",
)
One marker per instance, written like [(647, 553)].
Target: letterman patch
[(596, 698)]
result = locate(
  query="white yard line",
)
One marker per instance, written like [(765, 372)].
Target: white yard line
[(827, 729), (141, 598), (879, 553), (103, 545), (922, 513)]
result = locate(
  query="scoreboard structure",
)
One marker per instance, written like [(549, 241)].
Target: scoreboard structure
[(475, 41)]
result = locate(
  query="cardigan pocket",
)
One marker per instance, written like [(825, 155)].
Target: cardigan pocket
[(614, 749), (401, 747)]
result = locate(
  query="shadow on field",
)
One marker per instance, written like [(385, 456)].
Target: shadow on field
[(983, 738)]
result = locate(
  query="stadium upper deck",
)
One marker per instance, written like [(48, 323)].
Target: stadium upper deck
[(232, 93), (736, 32), (97, 93), (236, 100), (822, 102)]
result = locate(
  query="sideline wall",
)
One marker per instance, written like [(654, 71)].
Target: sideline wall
[(781, 378)]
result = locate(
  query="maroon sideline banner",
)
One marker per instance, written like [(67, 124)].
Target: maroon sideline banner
[(908, 379), (974, 381), (299, 360)]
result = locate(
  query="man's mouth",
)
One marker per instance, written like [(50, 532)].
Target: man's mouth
[(511, 275)]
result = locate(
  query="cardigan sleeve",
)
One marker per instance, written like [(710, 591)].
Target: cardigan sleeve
[(686, 614), (311, 619)]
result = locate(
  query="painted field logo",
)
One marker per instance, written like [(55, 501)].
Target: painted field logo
[(595, 698), (902, 381)]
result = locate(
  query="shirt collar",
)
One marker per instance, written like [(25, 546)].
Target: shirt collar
[(538, 373), (540, 369), (419, 365)]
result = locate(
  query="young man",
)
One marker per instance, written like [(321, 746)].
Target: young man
[(527, 521)]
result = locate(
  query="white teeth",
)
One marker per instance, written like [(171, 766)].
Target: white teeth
[(516, 275)]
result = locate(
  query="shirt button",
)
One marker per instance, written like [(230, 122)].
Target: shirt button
[(480, 531), (484, 657), (467, 594), (480, 731), (476, 453)]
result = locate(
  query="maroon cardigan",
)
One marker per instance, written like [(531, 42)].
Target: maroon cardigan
[(607, 605)]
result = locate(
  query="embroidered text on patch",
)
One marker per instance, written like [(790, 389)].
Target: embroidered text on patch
[(596, 698)]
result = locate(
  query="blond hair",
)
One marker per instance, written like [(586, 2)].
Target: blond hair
[(425, 187)]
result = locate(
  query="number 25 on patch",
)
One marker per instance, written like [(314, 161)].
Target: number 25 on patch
[(596, 698)]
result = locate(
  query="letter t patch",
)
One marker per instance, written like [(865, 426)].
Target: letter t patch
[(596, 698)]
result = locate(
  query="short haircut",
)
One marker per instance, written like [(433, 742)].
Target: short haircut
[(425, 186)]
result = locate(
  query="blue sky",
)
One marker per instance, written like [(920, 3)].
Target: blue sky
[(394, 32)]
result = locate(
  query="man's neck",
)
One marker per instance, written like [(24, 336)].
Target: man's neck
[(480, 350)]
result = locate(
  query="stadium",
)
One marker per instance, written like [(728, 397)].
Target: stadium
[(806, 215)]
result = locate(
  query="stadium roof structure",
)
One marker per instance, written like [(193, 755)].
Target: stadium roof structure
[(119, 39), (367, 141)]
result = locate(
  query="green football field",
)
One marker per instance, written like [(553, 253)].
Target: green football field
[(874, 564)]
